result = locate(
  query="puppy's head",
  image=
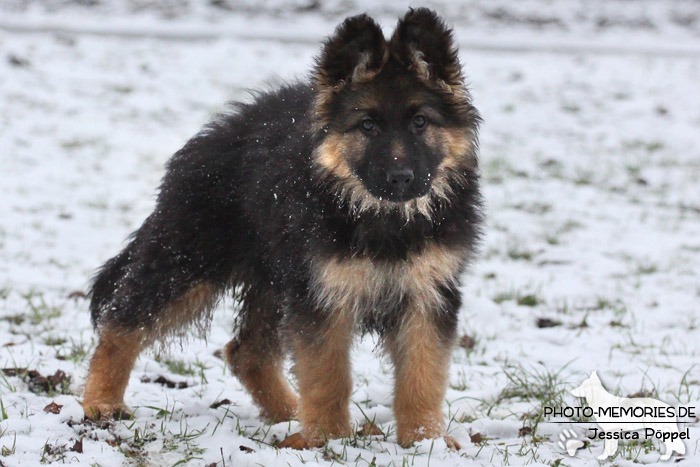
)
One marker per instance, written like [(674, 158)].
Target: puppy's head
[(394, 119)]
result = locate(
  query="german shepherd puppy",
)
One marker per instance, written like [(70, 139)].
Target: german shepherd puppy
[(346, 202)]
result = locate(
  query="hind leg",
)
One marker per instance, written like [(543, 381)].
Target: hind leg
[(120, 344), (255, 356), (108, 377), (140, 296), (117, 348)]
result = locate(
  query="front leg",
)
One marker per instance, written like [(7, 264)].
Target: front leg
[(420, 348), (321, 354)]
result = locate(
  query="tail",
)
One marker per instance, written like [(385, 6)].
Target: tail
[(106, 282)]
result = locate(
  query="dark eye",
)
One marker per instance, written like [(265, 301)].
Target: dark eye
[(419, 121), (367, 125)]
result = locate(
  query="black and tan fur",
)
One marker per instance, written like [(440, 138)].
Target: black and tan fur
[(349, 202)]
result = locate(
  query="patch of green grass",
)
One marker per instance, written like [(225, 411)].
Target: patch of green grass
[(132, 447), (505, 296), (51, 453), (516, 252), (520, 297), (570, 107), (583, 177), (552, 239), (632, 346), (185, 441), (570, 225), (528, 300), (79, 350), (552, 168), (179, 367), (53, 340), (99, 204), (632, 449), (462, 382), (77, 143), (123, 89), (533, 207), (39, 309), (8, 450), (634, 171), (14, 319), (617, 306), (687, 391), (553, 236), (534, 384), (496, 169), (3, 413), (541, 386), (646, 268), (6, 383), (648, 146)]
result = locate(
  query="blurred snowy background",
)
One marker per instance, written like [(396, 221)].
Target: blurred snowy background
[(591, 165)]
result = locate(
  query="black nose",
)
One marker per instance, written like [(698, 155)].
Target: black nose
[(399, 178)]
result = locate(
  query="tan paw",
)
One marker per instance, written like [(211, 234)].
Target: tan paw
[(294, 441), (407, 437), (452, 443), (106, 410)]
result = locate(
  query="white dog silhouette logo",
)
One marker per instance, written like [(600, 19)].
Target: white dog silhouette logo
[(607, 410)]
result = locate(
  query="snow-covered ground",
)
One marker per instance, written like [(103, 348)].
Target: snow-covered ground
[(591, 163)]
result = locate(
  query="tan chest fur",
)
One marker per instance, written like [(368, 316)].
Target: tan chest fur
[(361, 285)]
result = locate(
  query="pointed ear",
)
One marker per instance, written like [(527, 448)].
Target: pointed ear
[(357, 51), (594, 376), (424, 43)]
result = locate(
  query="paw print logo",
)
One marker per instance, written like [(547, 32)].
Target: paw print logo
[(569, 442)]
